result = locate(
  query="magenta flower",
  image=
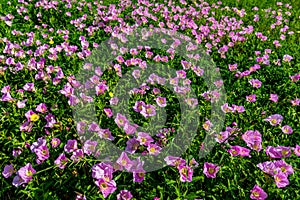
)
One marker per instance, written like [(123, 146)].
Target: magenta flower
[(41, 108), (278, 152), (222, 136), (281, 180), (26, 172), (40, 142), (70, 146), (295, 102), (106, 187), (297, 150), (31, 116), (253, 139), (226, 108), (161, 101), (138, 175), (287, 129), (61, 161), (192, 102), (255, 83), (210, 170), (124, 195), (42, 153), (138, 106), (274, 97), (89, 147), (101, 88), (239, 151), (55, 142), (102, 171), (7, 97), (181, 74), (274, 119), (132, 145), (186, 173), (29, 87), (268, 167), (77, 155), (21, 104), (283, 167), (8, 171), (258, 193), (124, 161)]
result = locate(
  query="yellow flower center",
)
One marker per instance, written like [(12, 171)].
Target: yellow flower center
[(28, 173), (256, 194), (34, 117), (44, 152), (103, 186), (211, 170)]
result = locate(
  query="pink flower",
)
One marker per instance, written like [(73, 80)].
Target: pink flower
[(258, 193), (61, 161), (108, 112), (26, 172), (274, 97), (161, 101), (124, 195), (274, 119), (186, 173), (210, 170), (281, 180), (255, 83), (124, 161), (251, 98), (287, 129), (106, 187), (297, 150), (144, 138)]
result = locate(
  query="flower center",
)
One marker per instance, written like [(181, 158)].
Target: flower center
[(28, 173), (211, 170)]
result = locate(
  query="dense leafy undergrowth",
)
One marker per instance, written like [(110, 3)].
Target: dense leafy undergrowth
[(254, 46)]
